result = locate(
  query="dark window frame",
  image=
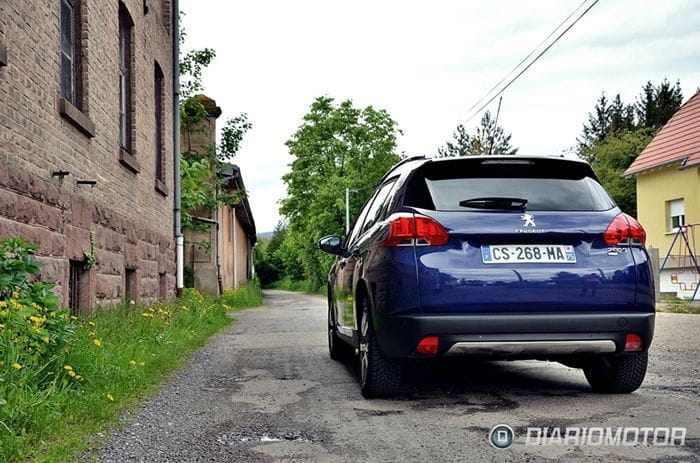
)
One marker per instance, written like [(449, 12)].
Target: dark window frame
[(378, 205), (354, 232), (162, 286), (74, 282), (131, 285), (126, 79), (166, 7), (71, 72), (159, 133)]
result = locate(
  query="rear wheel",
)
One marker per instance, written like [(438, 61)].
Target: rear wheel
[(379, 376), (618, 374)]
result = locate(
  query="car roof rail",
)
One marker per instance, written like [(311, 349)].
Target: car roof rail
[(400, 163)]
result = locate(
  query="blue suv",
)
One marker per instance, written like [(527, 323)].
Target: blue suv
[(498, 257)]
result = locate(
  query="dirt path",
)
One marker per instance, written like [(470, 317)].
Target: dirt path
[(265, 390)]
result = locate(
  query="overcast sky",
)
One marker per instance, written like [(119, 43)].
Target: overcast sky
[(426, 63)]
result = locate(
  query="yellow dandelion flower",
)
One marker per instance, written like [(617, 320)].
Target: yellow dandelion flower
[(73, 317), (91, 323), (78, 378), (97, 342), (71, 373), (110, 398), (68, 368), (142, 364), (132, 363), (16, 366)]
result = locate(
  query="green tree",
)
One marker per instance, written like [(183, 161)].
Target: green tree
[(458, 146), (337, 146), (653, 108), (612, 156), (489, 139), (200, 186), (269, 264), (598, 124), (656, 104)]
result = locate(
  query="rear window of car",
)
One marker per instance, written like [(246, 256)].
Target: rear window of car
[(548, 185)]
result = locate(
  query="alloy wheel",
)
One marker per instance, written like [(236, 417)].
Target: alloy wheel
[(364, 346)]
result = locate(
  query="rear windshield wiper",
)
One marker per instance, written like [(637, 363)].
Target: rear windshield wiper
[(495, 203)]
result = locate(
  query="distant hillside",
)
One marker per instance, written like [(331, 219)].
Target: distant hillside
[(265, 235)]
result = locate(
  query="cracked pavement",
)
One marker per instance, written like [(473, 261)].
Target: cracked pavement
[(265, 390)]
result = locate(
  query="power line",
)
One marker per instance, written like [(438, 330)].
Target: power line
[(532, 62), (527, 57)]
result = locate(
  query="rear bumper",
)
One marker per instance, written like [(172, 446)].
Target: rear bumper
[(514, 335)]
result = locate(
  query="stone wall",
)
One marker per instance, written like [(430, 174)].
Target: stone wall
[(131, 219), (60, 221)]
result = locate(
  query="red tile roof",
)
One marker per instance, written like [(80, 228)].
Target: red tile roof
[(677, 141)]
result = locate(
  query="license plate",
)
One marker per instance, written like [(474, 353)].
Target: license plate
[(530, 253)]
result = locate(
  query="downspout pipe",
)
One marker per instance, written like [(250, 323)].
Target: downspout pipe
[(179, 239)]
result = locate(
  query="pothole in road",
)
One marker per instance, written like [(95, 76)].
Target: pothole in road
[(364, 413), (224, 382), (242, 437)]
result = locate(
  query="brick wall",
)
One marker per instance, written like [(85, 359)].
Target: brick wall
[(130, 219)]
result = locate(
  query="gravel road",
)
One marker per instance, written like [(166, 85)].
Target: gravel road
[(266, 390)]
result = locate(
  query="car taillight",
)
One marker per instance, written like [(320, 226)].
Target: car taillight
[(633, 343), (428, 345), (624, 229), (407, 230)]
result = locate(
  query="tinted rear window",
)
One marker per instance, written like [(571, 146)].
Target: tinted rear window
[(548, 185)]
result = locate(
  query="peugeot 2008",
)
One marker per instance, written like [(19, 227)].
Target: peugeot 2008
[(499, 257)]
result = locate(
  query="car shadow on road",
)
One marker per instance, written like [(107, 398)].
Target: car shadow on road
[(445, 377)]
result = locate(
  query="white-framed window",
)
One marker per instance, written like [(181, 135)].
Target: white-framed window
[(675, 214)]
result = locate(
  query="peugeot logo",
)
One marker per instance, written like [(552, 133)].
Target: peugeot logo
[(528, 220)]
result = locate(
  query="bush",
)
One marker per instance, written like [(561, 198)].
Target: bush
[(65, 378), (33, 329)]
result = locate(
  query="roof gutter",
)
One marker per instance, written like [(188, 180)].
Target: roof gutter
[(681, 162), (177, 209)]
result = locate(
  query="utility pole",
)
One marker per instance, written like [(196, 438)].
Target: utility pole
[(347, 210)]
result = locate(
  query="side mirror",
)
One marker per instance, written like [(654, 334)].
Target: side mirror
[(331, 244)]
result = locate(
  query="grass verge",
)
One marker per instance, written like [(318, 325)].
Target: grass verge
[(114, 359), (675, 304), (304, 286)]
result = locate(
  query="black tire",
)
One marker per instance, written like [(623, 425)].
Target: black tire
[(337, 348), (618, 374), (379, 376)]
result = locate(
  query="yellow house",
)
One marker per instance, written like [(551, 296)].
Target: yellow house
[(668, 197)]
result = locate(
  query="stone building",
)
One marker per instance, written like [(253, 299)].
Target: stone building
[(86, 152), (221, 257)]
